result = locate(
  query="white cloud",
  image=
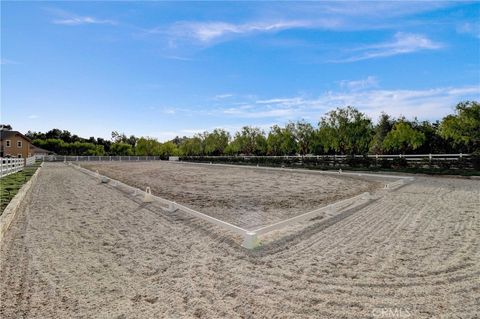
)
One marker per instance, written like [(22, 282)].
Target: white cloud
[(7, 61), (472, 28), (429, 104), (362, 84), (176, 57), (209, 31), (402, 43), (222, 96), (73, 20), (169, 111)]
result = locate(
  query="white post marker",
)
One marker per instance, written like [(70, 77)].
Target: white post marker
[(250, 240), (148, 198), (171, 207)]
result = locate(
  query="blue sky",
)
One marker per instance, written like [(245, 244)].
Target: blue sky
[(162, 69)]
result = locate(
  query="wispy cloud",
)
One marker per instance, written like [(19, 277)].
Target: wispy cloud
[(68, 18), (207, 32), (176, 57), (472, 28), (354, 85), (7, 61), (83, 20), (222, 96), (402, 43), (425, 104), (33, 116), (169, 110)]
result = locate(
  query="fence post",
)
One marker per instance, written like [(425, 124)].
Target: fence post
[(461, 155)]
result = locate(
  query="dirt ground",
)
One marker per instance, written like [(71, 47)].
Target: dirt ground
[(248, 198), (80, 249)]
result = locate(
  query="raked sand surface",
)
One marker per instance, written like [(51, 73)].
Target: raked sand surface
[(246, 197), (80, 249)]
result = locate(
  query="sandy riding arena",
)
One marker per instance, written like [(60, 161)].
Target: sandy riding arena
[(245, 197), (81, 249)]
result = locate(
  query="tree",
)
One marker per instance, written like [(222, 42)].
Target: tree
[(216, 142), (345, 131), (385, 125), (463, 127), (403, 138), (168, 149), (281, 141), (191, 146), (304, 133), (121, 149), (233, 148), (54, 134), (179, 140), (147, 146), (250, 141), (434, 142)]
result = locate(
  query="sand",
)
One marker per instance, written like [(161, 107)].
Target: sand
[(245, 197), (80, 249)]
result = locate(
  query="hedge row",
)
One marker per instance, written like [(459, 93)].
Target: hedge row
[(464, 166)]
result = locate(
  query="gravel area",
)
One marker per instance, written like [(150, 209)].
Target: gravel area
[(80, 249)]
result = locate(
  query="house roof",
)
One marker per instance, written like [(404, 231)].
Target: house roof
[(37, 149), (6, 134)]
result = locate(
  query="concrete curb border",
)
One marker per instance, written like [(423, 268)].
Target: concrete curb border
[(13, 207)]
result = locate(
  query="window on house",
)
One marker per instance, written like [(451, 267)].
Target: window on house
[(8, 143), (19, 143), (19, 155)]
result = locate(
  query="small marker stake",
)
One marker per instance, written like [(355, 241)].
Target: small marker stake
[(250, 240), (148, 198), (340, 171), (366, 196)]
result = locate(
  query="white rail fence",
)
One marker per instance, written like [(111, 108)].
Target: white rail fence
[(250, 237), (11, 165), (30, 160), (408, 157), (73, 158)]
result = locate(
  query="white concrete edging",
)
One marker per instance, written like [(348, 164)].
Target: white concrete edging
[(13, 207), (250, 237)]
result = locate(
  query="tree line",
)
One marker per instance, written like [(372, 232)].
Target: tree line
[(341, 131)]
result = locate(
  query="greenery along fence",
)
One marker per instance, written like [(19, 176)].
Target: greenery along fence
[(429, 163), (11, 184)]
